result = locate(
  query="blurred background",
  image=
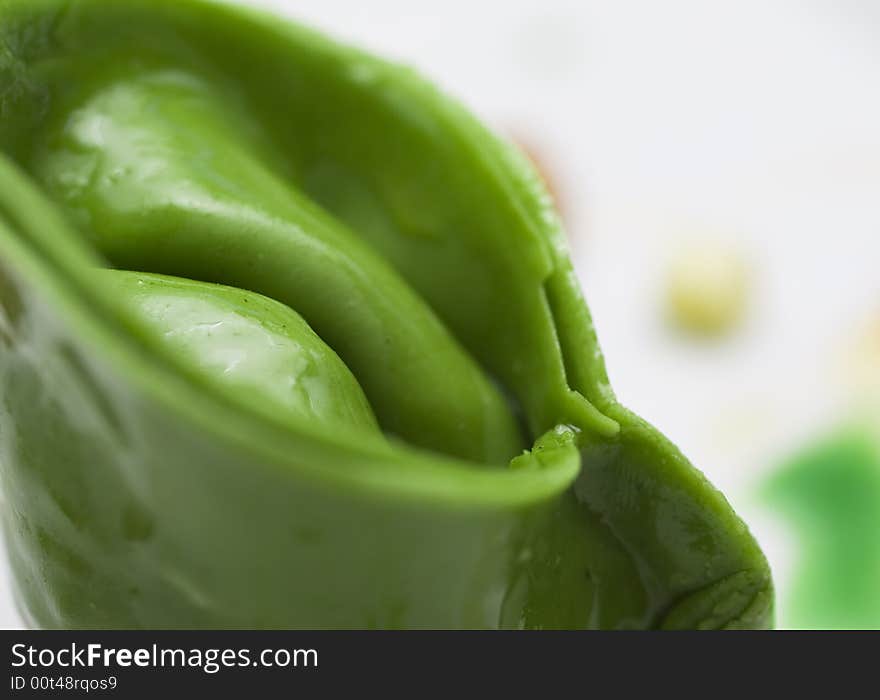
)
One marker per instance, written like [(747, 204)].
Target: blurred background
[(717, 165)]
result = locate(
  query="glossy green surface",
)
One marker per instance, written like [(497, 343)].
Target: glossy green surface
[(147, 486), (256, 350)]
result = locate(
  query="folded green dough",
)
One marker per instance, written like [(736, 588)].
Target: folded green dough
[(288, 339)]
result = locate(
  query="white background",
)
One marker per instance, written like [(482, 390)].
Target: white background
[(755, 123)]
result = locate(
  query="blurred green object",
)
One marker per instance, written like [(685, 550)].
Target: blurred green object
[(830, 493)]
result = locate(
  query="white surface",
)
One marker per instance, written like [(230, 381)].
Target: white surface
[(756, 121)]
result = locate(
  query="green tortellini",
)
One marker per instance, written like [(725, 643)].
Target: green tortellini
[(291, 340)]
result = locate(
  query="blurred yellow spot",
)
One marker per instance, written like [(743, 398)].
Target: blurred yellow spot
[(707, 289), (862, 362)]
